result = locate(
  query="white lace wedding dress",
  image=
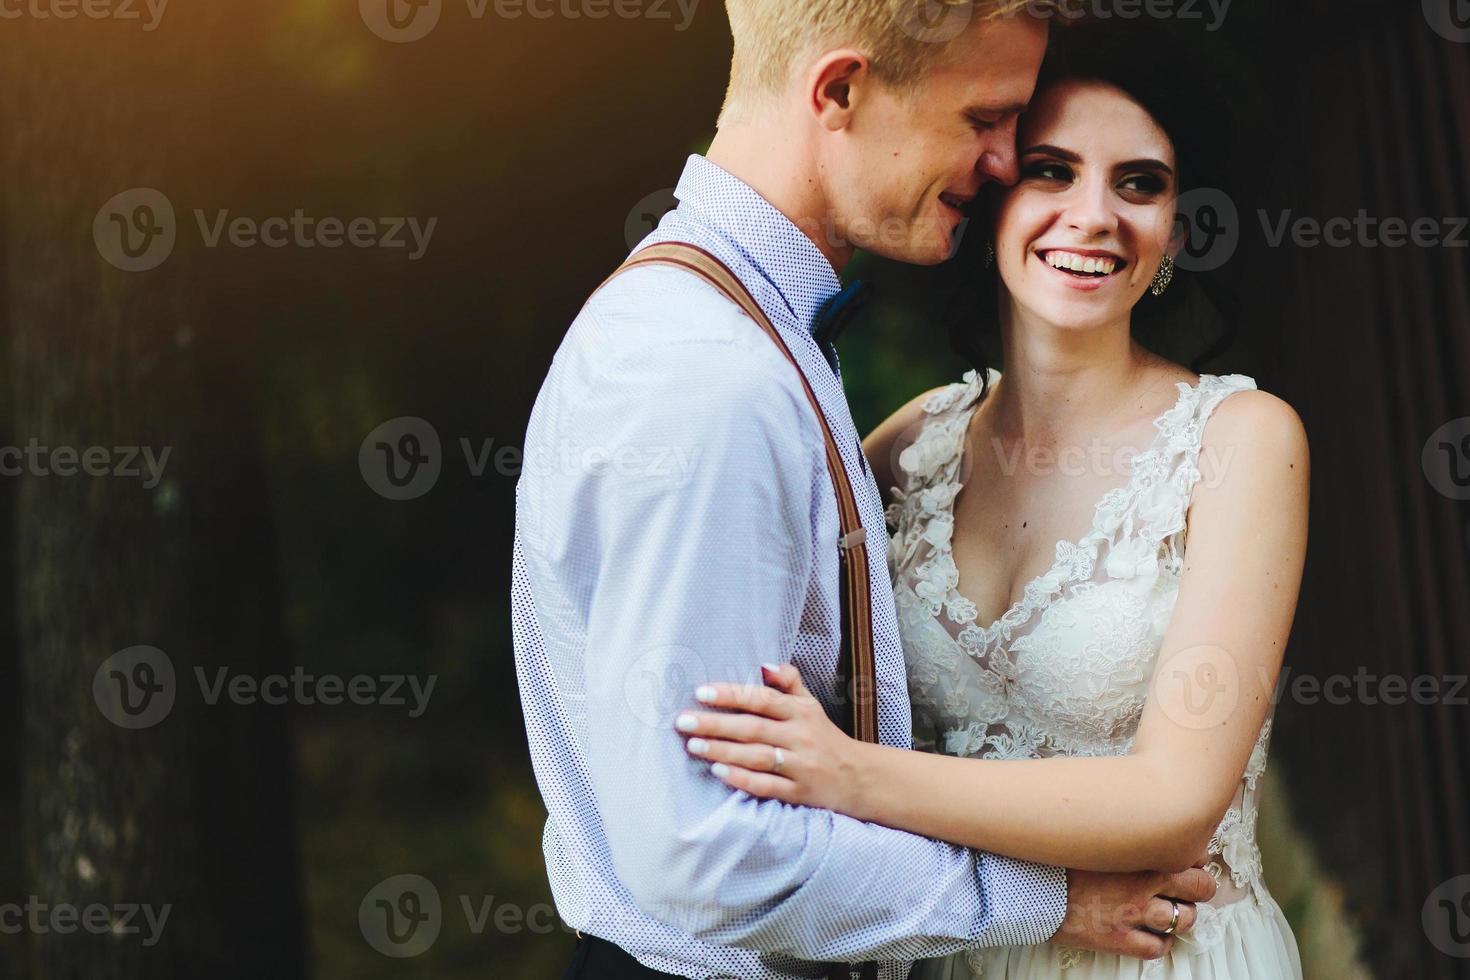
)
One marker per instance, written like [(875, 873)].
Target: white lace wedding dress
[(1067, 669)]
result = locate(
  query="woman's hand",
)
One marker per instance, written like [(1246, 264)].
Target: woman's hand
[(766, 723)]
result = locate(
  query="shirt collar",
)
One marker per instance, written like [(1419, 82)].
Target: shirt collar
[(773, 245)]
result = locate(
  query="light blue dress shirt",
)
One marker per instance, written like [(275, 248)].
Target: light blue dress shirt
[(675, 524)]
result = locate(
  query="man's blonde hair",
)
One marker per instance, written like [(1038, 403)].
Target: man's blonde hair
[(901, 38)]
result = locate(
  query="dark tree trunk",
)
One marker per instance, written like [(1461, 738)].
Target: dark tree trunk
[(196, 811)]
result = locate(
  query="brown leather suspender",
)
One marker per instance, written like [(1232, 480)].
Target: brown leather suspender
[(856, 666)]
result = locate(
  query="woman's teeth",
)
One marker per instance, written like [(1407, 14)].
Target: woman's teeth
[(1088, 264)]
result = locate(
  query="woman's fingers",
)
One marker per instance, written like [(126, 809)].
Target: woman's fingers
[(761, 784), (755, 698), (735, 728), (756, 757), (785, 677)]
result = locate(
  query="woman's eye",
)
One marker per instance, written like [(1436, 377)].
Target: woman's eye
[(1143, 184), (1047, 170)]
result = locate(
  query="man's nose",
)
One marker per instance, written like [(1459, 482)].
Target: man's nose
[(998, 161), (998, 165)]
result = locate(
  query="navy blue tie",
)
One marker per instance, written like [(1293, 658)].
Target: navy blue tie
[(834, 316)]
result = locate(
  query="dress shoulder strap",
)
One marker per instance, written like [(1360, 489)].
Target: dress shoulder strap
[(1165, 475)]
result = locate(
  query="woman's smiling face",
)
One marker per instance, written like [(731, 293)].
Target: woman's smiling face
[(1079, 237)]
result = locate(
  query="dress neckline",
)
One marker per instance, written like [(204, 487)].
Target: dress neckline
[(1073, 557)]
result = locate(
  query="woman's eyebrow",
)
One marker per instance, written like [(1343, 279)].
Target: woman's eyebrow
[(1148, 163), (1055, 151), (1145, 163)]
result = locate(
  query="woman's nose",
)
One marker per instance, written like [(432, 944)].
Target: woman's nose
[(1089, 210)]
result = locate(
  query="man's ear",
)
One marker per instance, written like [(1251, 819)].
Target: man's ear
[(836, 84)]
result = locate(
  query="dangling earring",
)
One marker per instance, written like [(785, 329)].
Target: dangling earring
[(989, 253), (1163, 277)]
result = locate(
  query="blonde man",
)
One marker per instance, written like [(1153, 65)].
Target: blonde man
[(701, 541)]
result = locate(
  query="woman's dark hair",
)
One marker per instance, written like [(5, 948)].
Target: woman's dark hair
[(1157, 64)]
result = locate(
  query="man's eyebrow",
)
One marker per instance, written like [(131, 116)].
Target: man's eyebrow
[(1012, 108)]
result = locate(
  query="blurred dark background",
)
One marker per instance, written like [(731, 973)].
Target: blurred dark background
[(542, 147)]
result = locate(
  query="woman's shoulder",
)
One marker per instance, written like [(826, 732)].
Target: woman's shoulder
[(1225, 415), (1255, 415), (1254, 429)]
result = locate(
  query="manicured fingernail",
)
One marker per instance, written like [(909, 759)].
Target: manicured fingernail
[(698, 746), (720, 770), (773, 668), (686, 723), (704, 693)]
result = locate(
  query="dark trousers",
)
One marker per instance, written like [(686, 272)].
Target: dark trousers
[(598, 959)]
